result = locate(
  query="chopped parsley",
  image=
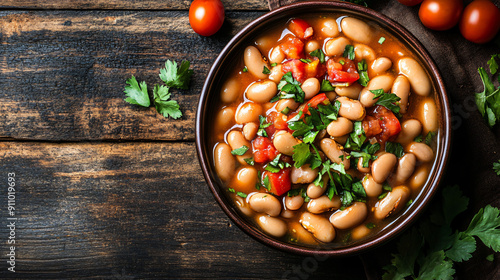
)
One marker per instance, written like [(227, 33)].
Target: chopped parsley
[(381, 40), (137, 94), (286, 111), (496, 167), (250, 161), (326, 86), (319, 54), (349, 52), (394, 148), (266, 183), (289, 88), (245, 69), (488, 101), (266, 70), (363, 73), (305, 60), (370, 225), (367, 153), (492, 63), (356, 138), (274, 64), (262, 126), (240, 151), (388, 100)]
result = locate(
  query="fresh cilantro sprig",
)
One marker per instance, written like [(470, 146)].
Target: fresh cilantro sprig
[(367, 152), (173, 77), (488, 101), (429, 250), (319, 54), (356, 138), (496, 167), (289, 88), (388, 100)]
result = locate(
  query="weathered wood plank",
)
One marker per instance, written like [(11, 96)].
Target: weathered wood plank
[(62, 74), (126, 4), (132, 210)]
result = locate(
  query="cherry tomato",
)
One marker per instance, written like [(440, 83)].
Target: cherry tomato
[(480, 21), (440, 14), (410, 2), (206, 16)]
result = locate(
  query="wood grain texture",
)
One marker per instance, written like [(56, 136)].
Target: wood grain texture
[(132, 211), (126, 4), (71, 69)]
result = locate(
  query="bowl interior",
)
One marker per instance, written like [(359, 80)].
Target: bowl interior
[(234, 50)]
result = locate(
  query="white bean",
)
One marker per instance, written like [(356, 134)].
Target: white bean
[(248, 112), (276, 55), (265, 203), (250, 130), (323, 204), (380, 82), (336, 46), (409, 130), (392, 203), (419, 81), (276, 74), (372, 188), (301, 234), (329, 27), (312, 46), (351, 91), (360, 166), (224, 161), (357, 30), (381, 65), (339, 127), (428, 115), (245, 179), (273, 226), (401, 88), (319, 226), (254, 62), (334, 152), (293, 202), (419, 177), (261, 91), (423, 152), (363, 51), (360, 232), (349, 217), (314, 191), (406, 166), (311, 87), (303, 174), (224, 118), (286, 103), (284, 141), (230, 91), (382, 167), (351, 109)]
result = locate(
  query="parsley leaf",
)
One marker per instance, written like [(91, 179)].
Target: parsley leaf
[(485, 225), (176, 77), (289, 88), (394, 148), (250, 161), (488, 101), (388, 100), (492, 63), (266, 70), (301, 154), (381, 40), (363, 73), (240, 151), (496, 167), (319, 54), (326, 86), (137, 95), (168, 108), (262, 126), (356, 138), (349, 52), (435, 266)]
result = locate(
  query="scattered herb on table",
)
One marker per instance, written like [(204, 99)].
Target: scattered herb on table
[(429, 249), (488, 101), (496, 167), (173, 76)]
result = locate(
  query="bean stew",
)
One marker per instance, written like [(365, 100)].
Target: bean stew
[(325, 130)]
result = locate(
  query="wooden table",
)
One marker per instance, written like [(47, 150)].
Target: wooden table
[(107, 190)]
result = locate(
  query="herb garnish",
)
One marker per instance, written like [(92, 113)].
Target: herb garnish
[(381, 40), (363, 73), (262, 126), (388, 100), (394, 148), (289, 88), (496, 167), (349, 52), (240, 151), (326, 86), (266, 70), (319, 54)]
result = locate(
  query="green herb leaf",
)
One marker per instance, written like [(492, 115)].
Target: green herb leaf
[(245, 69), (295, 192), (262, 126), (305, 60), (356, 138), (326, 86), (493, 64), (137, 95), (435, 266), (289, 88), (319, 54), (250, 161), (462, 248), (176, 77), (381, 40), (168, 108), (485, 225), (496, 167), (363, 73), (418, 139), (388, 100), (490, 257), (488, 101), (394, 148), (370, 225), (301, 154), (241, 194), (231, 190), (267, 185), (240, 151), (266, 70), (349, 52), (428, 138), (403, 263)]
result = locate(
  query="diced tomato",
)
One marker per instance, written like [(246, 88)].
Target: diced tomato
[(300, 28), (297, 68), (338, 73), (293, 47), (263, 150), (280, 120), (388, 124), (315, 69), (280, 182), (315, 101)]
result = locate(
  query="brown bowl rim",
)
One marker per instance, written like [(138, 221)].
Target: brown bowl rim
[(405, 219)]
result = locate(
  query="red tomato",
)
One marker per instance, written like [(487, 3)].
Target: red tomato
[(206, 16), (298, 69), (388, 126), (338, 73), (280, 182), (263, 150), (440, 14), (480, 21), (315, 101), (293, 48), (410, 2), (300, 28)]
